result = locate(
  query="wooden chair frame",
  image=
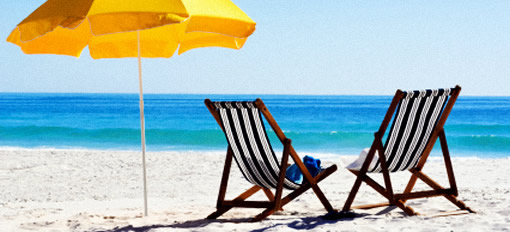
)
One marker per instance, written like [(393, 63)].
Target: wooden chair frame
[(275, 201), (400, 199)]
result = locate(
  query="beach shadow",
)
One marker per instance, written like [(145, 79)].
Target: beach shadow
[(387, 210), (303, 224), (131, 228), (182, 225), (307, 223)]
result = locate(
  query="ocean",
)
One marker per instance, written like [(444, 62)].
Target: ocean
[(477, 126)]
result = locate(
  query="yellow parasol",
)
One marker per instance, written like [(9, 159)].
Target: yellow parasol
[(132, 28)]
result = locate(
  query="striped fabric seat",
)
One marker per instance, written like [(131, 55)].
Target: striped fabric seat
[(417, 121), (413, 123), (252, 151), (243, 125)]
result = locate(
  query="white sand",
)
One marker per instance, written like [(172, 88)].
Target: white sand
[(85, 190)]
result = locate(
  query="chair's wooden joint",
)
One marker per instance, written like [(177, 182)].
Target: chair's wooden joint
[(249, 204), (378, 135), (416, 170), (455, 192)]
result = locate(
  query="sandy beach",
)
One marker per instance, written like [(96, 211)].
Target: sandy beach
[(98, 190)]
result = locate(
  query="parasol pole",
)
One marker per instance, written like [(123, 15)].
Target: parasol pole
[(142, 124)]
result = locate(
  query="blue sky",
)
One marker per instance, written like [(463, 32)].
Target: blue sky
[(299, 47)]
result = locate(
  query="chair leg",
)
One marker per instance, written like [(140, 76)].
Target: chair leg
[(352, 193), (269, 194), (322, 198), (452, 198), (418, 174), (224, 178), (221, 209), (410, 184), (361, 174), (312, 181), (381, 190), (263, 215), (407, 209), (294, 194), (319, 192), (448, 162), (281, 177), (304, 187), (243, 196)]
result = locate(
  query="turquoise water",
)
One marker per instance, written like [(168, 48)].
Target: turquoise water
[(477, 126)]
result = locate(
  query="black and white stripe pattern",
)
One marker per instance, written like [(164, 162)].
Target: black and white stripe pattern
[(413, 123), (248, 140)]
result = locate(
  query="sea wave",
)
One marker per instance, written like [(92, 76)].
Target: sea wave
[(491, 143), (177, 139), (32, 136), (478, 129)]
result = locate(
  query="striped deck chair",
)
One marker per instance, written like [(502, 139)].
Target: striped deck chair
[(417, 124), (250, 147)]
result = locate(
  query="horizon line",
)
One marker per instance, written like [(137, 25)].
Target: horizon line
[(242, 94)]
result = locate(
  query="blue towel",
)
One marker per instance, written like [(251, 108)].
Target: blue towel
[(313, 165), (294, 174)]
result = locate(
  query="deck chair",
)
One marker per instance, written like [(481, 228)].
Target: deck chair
[(249, 145), (417, 124)]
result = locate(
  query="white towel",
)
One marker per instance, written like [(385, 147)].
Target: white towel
[(356, 165)]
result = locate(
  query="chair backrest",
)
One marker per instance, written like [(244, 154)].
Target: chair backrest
[(244, 129), (413, 124)]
